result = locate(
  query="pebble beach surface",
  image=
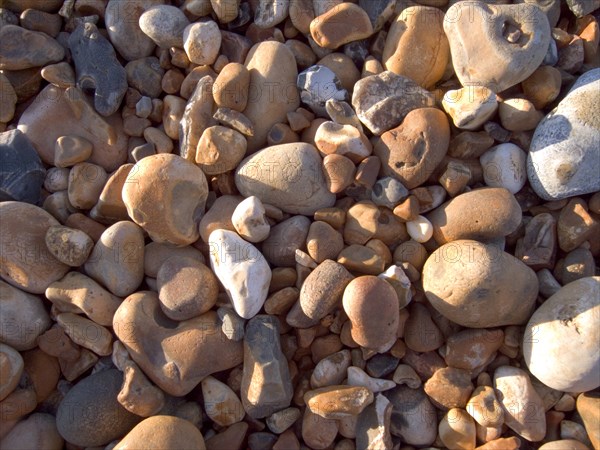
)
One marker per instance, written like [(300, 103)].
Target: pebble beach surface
[(300, 224)]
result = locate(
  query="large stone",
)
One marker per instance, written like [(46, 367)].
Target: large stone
[(559, 345), (174, 355), (382, 101), (272, 91), (166, 196), (496, 46), (242, 270), (22, 173), (288, 176), (163, 433), (266, 384), (98, 68), (564, 156), (90, 415), (25, 261), (57, 112), (23, 49), (478, 285)]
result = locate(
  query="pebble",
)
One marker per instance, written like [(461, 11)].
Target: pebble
[(97, 67), (249, 220), (36, 431), (156, 254), (266, 385), (145, 75), (69, 246), (372, 307), (358, 377), (269, 13), (186, 288), (12, 368), (287, 236), (484, 407), (154, 343), (329, 29), (280, 421), (457, 430), (235, 262), (413, 50), (220, 403), (373, 425), (201, 42), (412, 151), (470, 107), (449, 387), (164, 432), (338, 402), (587, 407), (563, 156), (272, 92), (231, 87), (382, 101), (472, 349), (481, 214), (23, 49), (575, 225), (8, 100), (323, 241), (319, 84), (488, 287), (345, 140), (22, 173), (35, 20), (389, 192), (523, 407), (71, 150), (220, 150), (505, 166), (512, 53), (287, 176), (517, 114), (86, 181), (164, 24), (413, 416), (565, 321), (150, 190), (82, 424), (420, 229), (26, 262), (331, 370), (339, 172), (318, 432), (319, 295), (542, 86)]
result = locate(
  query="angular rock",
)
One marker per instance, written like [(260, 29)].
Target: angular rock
[(242, 270), (98, 68), (563, 158), (22, 173), (155, 342), (382, 101), (266, 384), (23, 49)]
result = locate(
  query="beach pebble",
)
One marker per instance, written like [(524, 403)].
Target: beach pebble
[(517, 114), (413, 416), (470, 107), (164, 24), (250, 221), (201, 42), (221, 404), (126, 35), (564, 322), (331, 369), (338, 402), (329, 30), (23, 49), (345, 140), (420, 229), (164, 432), (505, 166), (231, 87), (12, 365), (457, 430), (317, 85), (8, 100), (563, 157), (242, 270)]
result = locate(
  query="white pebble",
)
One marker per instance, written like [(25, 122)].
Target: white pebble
[(505, 166), (420, 229), (250, 221)]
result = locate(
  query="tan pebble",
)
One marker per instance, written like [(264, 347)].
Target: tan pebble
[(11, 368), (361, 222), (60, 74), (408, 209), (156, 254), (333, 216), (221, 404), (331, 370), (281, 133), (457, 430), (110, 207), (337, 402), (173, 108), (249, 220), (519, 114), (164, 432), (420, 333), (381, 249), (56, 343), (235, 120), (367, 171), (329, 30), (339, 172), (324, 346), (575, 225), (220, 149), (470, 144), (308, 134), (161, 141), (297, 121), (68, 245), (372, 307), (201, 42), (304, 55), (138, 395), (86, 333), (172, 80), (317, 432), (455, 178), (361, 259), (36, 431), (343, 140), (450, 387), (372, 66), (343, 67), (231, 87), (542, 86), (588, 408), (281, 301), (43, 371), (484, 407), (282, 277), (471, 349), (86, 181)]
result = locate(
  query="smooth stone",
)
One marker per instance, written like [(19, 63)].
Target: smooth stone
[(156, 254), (358, 377), (71, 150), (8, 100), (90, 414), (587, 407), (413, 50), (449, 387), (226, 10), (86, 333), (345, 140), (261, 440), (220, 403), (60, 74), (219, 217), (126, 35), (287, 176), (86, 181), (150, 192), (331, 369), (382, 101), (470, 107), (40, 49), (163, 433), (145, 75), (164, 24), (505, 166), (563, 158), (330, 30), (478, 285), (281, 420), (249, 220), (36, 431), (373, 425), (565, 322), (389, 192), (523, 407), (484, 407), (397, 278), (229, 439), (155, 342), (317, 85), (580, 8), (287, 236), (518, 114), (25, 262), (473, 348), (413, 416), (419, 229), (138, 395), (231, 87), (266, 385), (512, 53), (117, 260), (412, 151), (186, 288), (317, 432), (242, 269), (110, 207), (323, 241), (56, 112), (202, 41), (338, 401), (97, 67), (481, 214), (231, 323), (564, 444), (372, 307), (24, 318), (272, 91), (22, 173), (270, 13), (11, 367), (197, 117), (457, 430)]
